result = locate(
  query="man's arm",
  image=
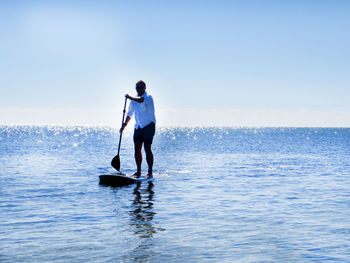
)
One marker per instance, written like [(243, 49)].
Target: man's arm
[(124, 124), (137, 99), (128, 117)]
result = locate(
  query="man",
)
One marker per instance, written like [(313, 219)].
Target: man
[(143, 108)]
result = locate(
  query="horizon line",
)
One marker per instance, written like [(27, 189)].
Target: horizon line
[(172, 118)]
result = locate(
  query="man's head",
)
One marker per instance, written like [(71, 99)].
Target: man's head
[(140, 87)]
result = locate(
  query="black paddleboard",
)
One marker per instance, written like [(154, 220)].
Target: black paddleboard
[(121, 179)]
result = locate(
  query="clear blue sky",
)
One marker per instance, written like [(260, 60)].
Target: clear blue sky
[(217, 55)]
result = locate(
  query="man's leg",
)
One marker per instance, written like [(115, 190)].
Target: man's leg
[(138, 156), (149, 157)]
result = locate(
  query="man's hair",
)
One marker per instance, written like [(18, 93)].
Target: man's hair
[(141, 84)]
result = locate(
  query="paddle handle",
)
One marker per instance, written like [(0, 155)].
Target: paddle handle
[(120, 136)]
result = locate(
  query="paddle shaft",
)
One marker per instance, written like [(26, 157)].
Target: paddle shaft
[(120, 136)]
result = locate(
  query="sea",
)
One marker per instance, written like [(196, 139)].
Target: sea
[(218, 195)]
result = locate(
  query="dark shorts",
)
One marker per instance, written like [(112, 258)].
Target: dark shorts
[(145, 134)]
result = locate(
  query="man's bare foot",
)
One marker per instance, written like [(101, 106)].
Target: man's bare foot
[(136, 175), (148, 176)]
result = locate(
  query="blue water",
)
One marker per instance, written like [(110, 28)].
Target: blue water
[(219, 195)]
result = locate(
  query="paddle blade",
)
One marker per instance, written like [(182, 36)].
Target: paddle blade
[(116, 163)]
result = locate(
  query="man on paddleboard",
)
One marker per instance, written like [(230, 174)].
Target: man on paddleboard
[(142, 107)]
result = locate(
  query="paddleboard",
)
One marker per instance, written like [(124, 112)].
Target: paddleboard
[(121, 179)]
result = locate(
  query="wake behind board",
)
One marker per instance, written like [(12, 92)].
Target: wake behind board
[(121, 179)]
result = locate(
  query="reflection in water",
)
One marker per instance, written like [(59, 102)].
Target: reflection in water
[(142, 214)]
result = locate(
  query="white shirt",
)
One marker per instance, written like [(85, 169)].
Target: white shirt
[(144, 112)]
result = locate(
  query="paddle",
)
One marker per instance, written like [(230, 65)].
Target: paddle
[(116, 160)]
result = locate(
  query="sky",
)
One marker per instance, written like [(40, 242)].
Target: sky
[(206, 63)]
